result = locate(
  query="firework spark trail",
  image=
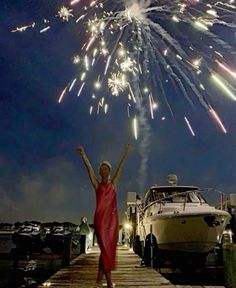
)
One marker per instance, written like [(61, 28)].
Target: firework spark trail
[(189, 126), (62, 95), (135, 127), (23, 28), (224, 87), (227, 69), (176, 81), (158, 84), (44, 29), (81, 89), (72, 84), (217, 119), (74, 2), (180, 70)]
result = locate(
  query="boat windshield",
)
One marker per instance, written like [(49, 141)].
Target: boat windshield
[(175, 195)]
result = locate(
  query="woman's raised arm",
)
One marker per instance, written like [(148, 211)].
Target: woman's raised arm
[(117, 174), (88, 166)]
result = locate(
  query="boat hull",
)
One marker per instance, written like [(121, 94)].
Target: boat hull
[(186, 232)]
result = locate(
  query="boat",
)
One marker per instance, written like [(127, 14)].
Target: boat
[(55, 239), (176, 223), (28, 238)]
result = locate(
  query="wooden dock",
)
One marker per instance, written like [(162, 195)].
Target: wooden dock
[(81, 273)]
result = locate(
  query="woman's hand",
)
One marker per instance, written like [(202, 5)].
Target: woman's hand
[(88, 166), (116, 176), (128, 148), (80, 149)]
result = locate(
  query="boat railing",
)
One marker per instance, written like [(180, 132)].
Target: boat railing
[(224, 199), (162, 201)]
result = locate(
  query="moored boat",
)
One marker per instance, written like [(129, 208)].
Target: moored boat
[(55, 239), (28, 238), (179, 224)]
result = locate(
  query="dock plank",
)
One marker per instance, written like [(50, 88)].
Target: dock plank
[(82, 273)]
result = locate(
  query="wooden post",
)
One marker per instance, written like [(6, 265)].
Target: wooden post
[(133, 219), (229, 262), (66, 255), (151, 247), (83, 246)]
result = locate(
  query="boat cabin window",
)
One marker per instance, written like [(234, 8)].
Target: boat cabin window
[(161, 196), (149, 197), (174, 195), (180, 198), (196, 197)]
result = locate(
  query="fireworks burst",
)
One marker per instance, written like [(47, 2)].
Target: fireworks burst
[(117, 83), (65, 13), (76, 59), (134, 45), (145, 44)]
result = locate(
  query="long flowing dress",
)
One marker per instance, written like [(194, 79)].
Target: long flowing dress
[(106, 225)]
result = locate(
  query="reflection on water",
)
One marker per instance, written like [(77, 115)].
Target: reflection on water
[(29, 272)]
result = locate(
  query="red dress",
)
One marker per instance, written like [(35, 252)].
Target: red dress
[(106, 225)]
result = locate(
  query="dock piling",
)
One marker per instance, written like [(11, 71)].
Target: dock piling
[(229, 262), (66, 255)]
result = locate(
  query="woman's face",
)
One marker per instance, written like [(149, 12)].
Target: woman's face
[(104, 170)]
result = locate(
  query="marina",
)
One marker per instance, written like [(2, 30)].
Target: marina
[(70, 270), (118, 144), (21, 266), (171, 238)]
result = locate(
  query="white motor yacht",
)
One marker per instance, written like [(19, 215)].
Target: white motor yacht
[(179, 221)]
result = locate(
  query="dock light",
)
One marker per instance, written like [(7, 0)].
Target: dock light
[(227, 236), (128, 226), (128, 233), (47, 284)]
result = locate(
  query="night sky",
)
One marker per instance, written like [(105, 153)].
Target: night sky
[(42, 178)]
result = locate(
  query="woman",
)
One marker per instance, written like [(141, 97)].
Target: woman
[(106, 214)]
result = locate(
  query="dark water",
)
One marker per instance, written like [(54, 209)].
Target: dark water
[(211, 274), (29, 272), (208, 277)]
